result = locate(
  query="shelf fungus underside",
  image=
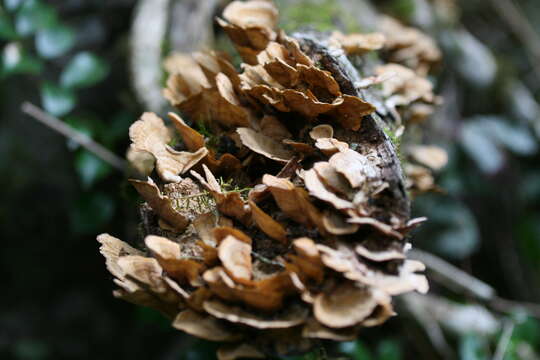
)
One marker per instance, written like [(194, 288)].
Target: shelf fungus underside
[(275, 209)]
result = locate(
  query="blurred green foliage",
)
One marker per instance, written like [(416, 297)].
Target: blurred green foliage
[(321, 15), (39, 43)]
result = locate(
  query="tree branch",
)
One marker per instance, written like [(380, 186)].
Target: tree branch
[(453, 277), (458, 280), (80, 138), (522, 28)]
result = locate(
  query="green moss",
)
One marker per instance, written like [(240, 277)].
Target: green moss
[(403, 9), (174, 141), (212, 140), (350, 23), (229, 187), (396, 141), (320, 15), (224, 44)]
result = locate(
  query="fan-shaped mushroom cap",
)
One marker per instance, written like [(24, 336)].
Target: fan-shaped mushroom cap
[(235, 255), (345, 306), (204, 326)]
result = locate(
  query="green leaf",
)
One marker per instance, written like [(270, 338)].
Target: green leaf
[(473, 60), (27, 349), (403, 8), (12, 4), (85, 69), (389, 349), (483, 136), (200, 350), (15, 61), (90, 168), (451, 230), (481, 147), (84, 124), (319, 15), (517, 139), (529, 188), (54, 41), (7, 31), (56, 100), (347, 347), (91, 213), (146, 315), (528, 330), (362, 352), (473, 347), (117, 127), (522, 104), (33, 16), (528, 233)]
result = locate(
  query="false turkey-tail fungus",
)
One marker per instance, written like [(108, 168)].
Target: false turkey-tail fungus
[(277, 212)]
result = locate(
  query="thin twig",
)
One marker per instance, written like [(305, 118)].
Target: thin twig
[(266, 260), (522, 28), (429, 324), (504, 340), (508, 306), (69, 132), (458, 280), (454, 277)]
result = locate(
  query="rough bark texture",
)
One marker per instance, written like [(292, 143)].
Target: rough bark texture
[(371, 138)]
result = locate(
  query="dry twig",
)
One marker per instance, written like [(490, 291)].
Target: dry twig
[(458, 280), (80, 138)]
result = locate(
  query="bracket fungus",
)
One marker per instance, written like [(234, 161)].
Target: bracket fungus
[(281, 216)]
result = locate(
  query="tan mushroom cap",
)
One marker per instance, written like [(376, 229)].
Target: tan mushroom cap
[(352, 165), (253, 12), (265, 295), (190, 137), (235, 255), (231, 203), (142, 161), (345, 306), (314, 329), (137, 277), (204, 326), (291, 316), (168, 254), (150, 134), (357, 44), (267, 224), (333, 179), (160, 203), (321, 131), (382, 255), (143, 270), (239, 351), (433, 157), (404, 86), (317, 189), (221, 232), (419, 177), (336, 224), (293, 201), (306, 247), (264, 145), (409, 46)]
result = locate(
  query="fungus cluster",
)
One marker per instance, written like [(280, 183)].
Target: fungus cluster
[(277, 213)]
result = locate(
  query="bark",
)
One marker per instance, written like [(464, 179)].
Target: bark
[(371, 138)]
